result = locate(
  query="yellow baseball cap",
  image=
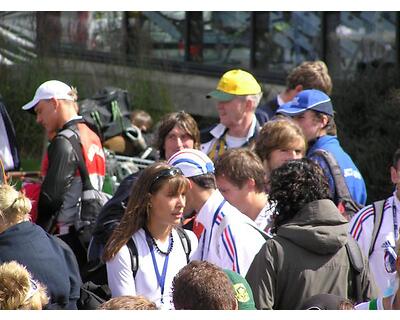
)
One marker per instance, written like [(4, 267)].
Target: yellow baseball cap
[(235, 83)]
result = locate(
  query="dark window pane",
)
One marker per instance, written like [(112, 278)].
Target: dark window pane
[(360, 39), (285, 39), (226, 38)]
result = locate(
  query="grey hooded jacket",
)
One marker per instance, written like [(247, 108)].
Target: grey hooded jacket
[(306, 257)]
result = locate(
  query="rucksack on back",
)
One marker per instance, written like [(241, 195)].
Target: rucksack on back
[(107, 112), (345, 203)]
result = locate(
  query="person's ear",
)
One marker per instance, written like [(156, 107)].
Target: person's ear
[(394, 175), (54, 103), (323, 120), (298, 88), (250, 105), (251, 184)]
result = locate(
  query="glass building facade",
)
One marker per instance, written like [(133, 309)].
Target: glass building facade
[(269, 44)]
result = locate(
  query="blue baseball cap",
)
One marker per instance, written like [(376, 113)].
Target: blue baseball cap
[(191, 162), (307, 100)]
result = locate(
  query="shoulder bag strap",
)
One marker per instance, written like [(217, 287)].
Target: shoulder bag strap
[(356, 266), (134, 256), (342, 190), (71, 135), (187, 246), (378, 211)]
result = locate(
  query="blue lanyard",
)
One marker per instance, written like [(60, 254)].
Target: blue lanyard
[(395, 222), (160, 278), (213, 222)]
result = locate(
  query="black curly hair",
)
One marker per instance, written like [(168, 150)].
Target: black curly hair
[(293, 185)]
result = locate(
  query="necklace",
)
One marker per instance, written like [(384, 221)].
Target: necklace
[(171, 245)]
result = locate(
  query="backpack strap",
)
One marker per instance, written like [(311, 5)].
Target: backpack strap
[(134, 256), (342, 191), (72, 137), (356, 267), (187, 246), (378, 218)]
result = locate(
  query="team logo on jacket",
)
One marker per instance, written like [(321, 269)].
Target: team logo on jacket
[(241, 292), (389, 257)]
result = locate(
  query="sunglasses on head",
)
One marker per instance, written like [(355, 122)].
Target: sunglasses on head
[(166, 173)]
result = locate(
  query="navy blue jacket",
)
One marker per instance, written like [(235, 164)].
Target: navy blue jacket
[(267, 111), (48, 259)]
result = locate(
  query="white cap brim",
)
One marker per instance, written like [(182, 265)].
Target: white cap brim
[(30, 104)]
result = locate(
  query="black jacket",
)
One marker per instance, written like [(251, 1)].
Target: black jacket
[(49, 260), (63, 164)]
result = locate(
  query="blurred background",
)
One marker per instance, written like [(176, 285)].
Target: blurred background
[(169, 61)]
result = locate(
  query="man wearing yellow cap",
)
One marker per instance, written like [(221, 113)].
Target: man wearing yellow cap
[(238, 95)]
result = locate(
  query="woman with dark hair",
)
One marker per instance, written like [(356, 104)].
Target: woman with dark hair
[(154, 208), (308, 255), (176, 131)]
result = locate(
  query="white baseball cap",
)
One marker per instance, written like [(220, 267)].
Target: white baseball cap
[(50, 89), (192, 162)]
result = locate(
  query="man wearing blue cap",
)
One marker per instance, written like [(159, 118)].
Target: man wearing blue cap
[(229, 238), (313, 112)]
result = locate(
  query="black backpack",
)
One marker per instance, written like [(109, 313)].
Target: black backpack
[(91, 201), (343, 200), (109, 217), (107, 112), (92, 296)]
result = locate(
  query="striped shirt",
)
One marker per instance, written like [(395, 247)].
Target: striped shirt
[(361, 227), (228, 239)]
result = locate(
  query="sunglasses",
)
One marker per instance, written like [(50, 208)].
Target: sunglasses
[(166, 173)]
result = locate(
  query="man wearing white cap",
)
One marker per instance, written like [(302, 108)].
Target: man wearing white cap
[(238, 95), (229, 239), (55, 107)]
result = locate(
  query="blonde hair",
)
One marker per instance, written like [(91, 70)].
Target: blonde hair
[(128, 303), (73, 93), (18, 291), (14, 205)]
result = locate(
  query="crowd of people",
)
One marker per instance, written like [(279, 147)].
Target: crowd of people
[(263, 210)]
